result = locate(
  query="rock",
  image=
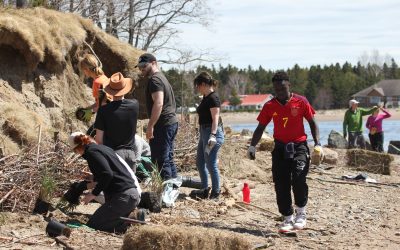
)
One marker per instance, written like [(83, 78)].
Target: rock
[(330, 156), (397, 234), (230, 202), (246, 132), (227, 130), (336, 140), (394, 147), (267, 144)]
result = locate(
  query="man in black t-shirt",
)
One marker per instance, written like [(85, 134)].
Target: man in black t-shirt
[(116, 122), (163, 123)]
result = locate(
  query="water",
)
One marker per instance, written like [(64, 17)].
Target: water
[(391, 130)]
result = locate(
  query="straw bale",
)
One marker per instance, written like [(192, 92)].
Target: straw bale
[(369, 161), (182, 237)]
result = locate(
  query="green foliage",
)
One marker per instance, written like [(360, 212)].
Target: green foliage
[(48, 186), (326, 86), (156, 181), (38, 3), (234, 100)]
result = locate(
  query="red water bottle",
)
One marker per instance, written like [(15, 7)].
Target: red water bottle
[(246, 193)]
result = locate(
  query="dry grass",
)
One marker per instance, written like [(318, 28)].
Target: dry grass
[(42, 36), (39, 55), (20, 125), (182, 237)]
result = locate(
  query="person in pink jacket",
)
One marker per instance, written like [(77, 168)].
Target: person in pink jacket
[(374, 124)]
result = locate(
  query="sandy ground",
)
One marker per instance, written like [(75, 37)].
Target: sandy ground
[(323, 115), (344, 215)]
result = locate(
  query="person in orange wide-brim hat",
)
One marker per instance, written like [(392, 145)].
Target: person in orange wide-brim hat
[(118, 85)]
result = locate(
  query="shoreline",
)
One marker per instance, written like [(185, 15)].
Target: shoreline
[(234, 118)]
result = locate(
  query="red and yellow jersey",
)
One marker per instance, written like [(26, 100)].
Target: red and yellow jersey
[(100, 82), (288, 118)]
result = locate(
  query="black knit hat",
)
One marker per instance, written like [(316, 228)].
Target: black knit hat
[(145, 58)]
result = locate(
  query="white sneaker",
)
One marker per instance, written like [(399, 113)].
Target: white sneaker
[(300, 221), (287, 224)]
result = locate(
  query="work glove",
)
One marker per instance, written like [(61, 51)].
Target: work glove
[(251, 153), (83, 114), (212, 141), (318, 155), (320, 150)]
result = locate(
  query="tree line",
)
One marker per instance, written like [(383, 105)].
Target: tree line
[(326, 87)]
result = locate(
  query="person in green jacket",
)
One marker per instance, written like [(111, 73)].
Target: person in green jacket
[(353, 124)]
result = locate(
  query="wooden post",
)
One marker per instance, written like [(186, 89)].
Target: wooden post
[(38, 146), (56, 139)]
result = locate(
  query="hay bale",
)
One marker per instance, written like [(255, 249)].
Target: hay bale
[(182, 237), (369, 161)]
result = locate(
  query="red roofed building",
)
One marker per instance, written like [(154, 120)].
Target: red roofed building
[(248, 102)]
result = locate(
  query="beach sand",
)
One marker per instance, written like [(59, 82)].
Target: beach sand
[(233, 118)]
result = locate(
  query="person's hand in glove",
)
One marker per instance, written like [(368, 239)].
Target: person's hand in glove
[(83, 114), (251, 153), (212, 141)]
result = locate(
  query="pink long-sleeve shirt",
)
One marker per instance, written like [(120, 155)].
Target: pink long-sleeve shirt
[(376, 122)]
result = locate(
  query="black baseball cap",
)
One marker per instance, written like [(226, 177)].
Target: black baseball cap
[(145, 58)]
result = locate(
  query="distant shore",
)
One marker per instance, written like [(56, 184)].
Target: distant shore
[(233, 118)]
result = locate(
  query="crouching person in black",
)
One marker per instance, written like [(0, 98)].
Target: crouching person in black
[(112, 176)]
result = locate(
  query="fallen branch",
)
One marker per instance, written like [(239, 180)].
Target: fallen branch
[(229, 191), (261, 208), (8, 194), (132, 220), (60, 241), (344, 182), (377, 183)]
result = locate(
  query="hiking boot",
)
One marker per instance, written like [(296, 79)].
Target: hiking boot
[(300, 221), (287, 224), (200, 194), (214, 196)]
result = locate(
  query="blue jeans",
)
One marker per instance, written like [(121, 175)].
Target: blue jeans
[(207, 163), (162, 150)]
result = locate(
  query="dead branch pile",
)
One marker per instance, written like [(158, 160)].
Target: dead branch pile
[(186, 145), (369, 161), (182, 237), (22, 175)]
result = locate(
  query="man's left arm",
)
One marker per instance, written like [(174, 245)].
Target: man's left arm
[(368, 111), (314, 131)]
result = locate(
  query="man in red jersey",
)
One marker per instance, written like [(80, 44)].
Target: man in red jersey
[(291, 155)]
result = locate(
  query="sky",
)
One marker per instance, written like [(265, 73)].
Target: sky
[(277, 34)]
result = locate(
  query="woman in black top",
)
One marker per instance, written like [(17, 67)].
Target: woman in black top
[(211, 133), (113, 177)]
